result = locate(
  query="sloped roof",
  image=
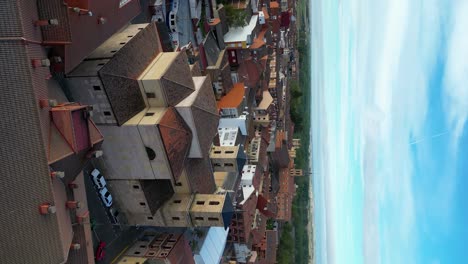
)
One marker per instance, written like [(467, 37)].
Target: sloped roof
[(271, 245), (234, 98), (211, 49), (177, 80), (266, 100), (200, 175), (120, 74), (24, 155), (203, 119), (249, 72), (259, 40), (262, 206), (176, 137)]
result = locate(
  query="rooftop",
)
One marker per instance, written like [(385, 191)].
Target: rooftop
[(234, 98), (86, 29), (241, 34)]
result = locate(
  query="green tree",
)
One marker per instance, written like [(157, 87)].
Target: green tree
[(236, 17)]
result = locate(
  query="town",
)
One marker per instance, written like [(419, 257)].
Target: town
[(138, 131)]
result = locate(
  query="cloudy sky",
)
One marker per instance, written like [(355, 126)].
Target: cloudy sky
[(390, 140)]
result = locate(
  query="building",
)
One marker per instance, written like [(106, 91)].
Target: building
[(158, 247), (263, 111), (160, 121), (228, 158), (44, 205), (89, 21), (234, 103), (229, 136)]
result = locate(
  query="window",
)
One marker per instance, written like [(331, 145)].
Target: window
[(214, 202), (122, 43), (213, 219), (149, 114), (217, 152), (142, 246), (136, 252), (229, 152), (136, 187), (200, 202), (175, 218), (199, 218), (142, 204), (96, 87), (150, 152), (107, 113), (177, 201), (113, 51), (101, 64), (178, 184), (130, 36), (150, 218), (151, 95), (228, 165)]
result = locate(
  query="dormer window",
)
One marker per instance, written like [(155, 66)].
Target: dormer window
[(123, 2)]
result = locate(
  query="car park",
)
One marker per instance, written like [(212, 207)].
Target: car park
[(106, 197), (98, 179)]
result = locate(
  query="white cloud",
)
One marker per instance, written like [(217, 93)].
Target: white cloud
[(456, 75)]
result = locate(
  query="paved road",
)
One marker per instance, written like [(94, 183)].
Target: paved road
[(117, 237), (184, 24)]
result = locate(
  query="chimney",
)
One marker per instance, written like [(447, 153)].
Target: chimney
[(82, 217), (75, 246), (45, 22), (46, 208), (72, 204), (57, 174), (36, 63), (73, 185), (44, 103)]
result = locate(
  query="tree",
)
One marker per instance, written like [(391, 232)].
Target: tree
[(236, 17)]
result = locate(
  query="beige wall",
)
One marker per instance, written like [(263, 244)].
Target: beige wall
[(175, 211), (182, 186), (129, 195), (221, 158), (204, 213), (125, 155)]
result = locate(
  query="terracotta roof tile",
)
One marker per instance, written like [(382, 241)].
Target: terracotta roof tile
[(176, 138), (91, 34), (233, 98), (259, 41)]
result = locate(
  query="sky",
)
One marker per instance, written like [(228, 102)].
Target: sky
[(389, 133)]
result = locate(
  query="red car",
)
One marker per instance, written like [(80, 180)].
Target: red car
[(100, 252)]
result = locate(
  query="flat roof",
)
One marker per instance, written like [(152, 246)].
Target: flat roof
[(239, 34)]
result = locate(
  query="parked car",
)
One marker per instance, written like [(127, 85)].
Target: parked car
[(100, 251), (98, 179), (106, 197), (114, 214)]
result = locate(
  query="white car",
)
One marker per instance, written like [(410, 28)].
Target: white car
[(98, 179), (106, 197)]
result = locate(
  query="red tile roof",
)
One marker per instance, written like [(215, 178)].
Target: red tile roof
[(70, 132), (259, 40), (85, 32), (249, 72), (234, 98), (176, 136)]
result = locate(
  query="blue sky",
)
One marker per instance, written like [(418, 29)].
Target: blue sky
[(390, 140)]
